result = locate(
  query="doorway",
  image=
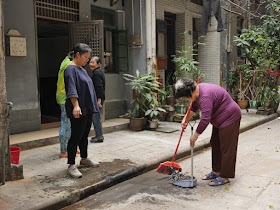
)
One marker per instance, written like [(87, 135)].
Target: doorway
[(170, 20), (53, 46)]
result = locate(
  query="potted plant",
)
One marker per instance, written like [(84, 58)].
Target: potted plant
[(187, 66), (274, 104), (245, 79), (261, 47), (232, 84), (170, 99), (153, 113), (265, 97), (144, 87)]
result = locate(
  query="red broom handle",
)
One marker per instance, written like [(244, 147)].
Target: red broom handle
[(183, 128)]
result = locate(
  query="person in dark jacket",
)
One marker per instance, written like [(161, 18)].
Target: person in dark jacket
[(98, 80)]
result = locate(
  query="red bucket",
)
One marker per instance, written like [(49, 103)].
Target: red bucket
[(15, 154)]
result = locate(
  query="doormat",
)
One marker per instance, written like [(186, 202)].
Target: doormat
[(166, 129)]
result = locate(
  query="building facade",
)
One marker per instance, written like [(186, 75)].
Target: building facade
[(128, 35)]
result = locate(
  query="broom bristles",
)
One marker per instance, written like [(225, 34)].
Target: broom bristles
[(168, 168), (163, 169)]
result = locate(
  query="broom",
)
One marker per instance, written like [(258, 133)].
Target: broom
[(169, 167)]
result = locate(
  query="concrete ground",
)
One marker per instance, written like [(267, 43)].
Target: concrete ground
[(123, 154), (256, 185)]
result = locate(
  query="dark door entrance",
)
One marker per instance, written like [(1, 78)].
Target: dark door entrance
[(170, 19), (53, 42)]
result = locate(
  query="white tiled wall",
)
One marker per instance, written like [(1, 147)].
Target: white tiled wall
[(209, 54)]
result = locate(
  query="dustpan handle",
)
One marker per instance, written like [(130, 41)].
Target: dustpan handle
[(191, 154)]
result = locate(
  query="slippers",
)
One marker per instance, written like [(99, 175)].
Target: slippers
[(210, 176), (65, 156), (218, 182)]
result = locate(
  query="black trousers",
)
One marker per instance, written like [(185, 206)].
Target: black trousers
[(80, 128), (216, 7), (224, 143)]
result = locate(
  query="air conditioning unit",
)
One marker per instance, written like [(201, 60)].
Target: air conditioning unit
[(135, 41), (120, 19)]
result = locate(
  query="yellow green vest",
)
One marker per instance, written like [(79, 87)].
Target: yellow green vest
[(60, 90)]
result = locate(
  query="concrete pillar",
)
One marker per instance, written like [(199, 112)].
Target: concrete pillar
[(151, 35), (8, 172), (3, 99), (209, 55)]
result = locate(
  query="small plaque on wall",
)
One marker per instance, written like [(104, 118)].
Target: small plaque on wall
[(15, 44)]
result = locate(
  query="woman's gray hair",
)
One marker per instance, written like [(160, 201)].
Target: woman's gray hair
[(184, 88)]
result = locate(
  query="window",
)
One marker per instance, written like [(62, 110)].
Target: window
[(161, 44), (115, 41), (239, 24), (120, 43), (65, 11), (99, 13)]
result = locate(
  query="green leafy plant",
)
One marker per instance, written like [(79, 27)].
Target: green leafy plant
[(146, 88), (261, 45), (154, 111), (265, 96), (187, 65)]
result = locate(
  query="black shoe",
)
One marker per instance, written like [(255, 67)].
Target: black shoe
[(96, 140)]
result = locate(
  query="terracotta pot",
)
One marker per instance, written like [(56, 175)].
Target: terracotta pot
[(243, 104), (170, 100), (153, 124), (137, 124)]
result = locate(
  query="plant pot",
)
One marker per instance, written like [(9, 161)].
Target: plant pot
[(181, 109), (266, 106), (153, 124), (274, 106), (243, 104), (254, 104), (163, 116), (170, 100), (137, 124)]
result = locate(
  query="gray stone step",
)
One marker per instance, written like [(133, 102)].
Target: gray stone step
[(49, 136)]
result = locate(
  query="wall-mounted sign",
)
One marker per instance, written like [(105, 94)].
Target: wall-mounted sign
[(15, 44)]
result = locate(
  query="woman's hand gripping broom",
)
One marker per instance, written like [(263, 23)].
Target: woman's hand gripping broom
[(169, 167)]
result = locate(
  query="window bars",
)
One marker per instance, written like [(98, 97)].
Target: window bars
[(58, 10)]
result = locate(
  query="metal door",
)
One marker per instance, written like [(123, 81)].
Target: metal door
[(90, 33)]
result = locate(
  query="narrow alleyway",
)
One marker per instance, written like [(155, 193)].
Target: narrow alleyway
[(256, 186)]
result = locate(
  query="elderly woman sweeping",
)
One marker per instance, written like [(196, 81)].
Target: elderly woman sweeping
[(217, 108)]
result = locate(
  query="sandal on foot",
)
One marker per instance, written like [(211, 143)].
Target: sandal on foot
[(218, 182), (210, 176), (63, 156)]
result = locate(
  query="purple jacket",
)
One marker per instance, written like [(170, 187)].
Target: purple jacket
[(216, 106)]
